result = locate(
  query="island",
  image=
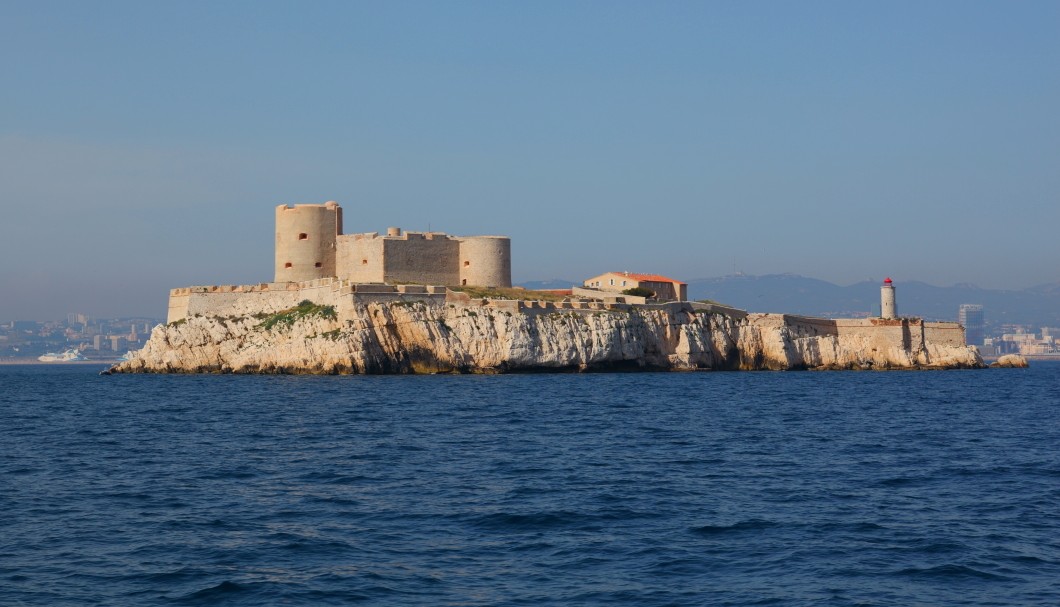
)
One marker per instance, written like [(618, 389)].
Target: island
[(428, 302)]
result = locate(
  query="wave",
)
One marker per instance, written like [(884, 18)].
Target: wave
[(739, 527), (950, 571)]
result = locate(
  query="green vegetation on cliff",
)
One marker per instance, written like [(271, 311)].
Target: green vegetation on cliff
[(304, 309)]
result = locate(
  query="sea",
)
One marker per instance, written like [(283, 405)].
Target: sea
[(645, 489)]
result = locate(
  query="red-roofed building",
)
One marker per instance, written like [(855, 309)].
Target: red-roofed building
[(666, 289)]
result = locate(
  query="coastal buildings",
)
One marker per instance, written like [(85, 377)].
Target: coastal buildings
[(94, 337), (1029, 343), (665, 289)]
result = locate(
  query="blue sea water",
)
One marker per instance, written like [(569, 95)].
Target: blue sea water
[(797, 488)]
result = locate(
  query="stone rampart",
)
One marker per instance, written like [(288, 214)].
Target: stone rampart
[(879, 334), (244, 300), (944, 333), (606, 296), (714, 308)]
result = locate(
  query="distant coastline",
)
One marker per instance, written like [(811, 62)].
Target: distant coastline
[(34, 361)]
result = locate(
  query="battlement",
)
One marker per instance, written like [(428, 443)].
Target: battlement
[(399, 235)]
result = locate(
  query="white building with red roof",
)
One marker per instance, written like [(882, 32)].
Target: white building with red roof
[(665, 289)]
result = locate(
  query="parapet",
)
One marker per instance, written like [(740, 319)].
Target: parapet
[(330, 205)]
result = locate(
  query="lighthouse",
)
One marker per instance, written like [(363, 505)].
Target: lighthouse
[(887, 307)]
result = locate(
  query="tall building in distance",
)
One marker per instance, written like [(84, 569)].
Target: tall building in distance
[(971, 317)]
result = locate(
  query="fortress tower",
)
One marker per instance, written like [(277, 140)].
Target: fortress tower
[(485, 261), (887, 305), (305, 240)]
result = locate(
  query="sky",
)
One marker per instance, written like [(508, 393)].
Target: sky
[(144, 145)]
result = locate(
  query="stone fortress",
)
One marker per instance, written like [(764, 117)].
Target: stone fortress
[(310, 245), (367, 276), (315, 260)]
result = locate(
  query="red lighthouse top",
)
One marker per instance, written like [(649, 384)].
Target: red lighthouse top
[(886, 281)]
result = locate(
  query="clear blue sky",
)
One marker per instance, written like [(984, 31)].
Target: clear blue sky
[(143, 145)]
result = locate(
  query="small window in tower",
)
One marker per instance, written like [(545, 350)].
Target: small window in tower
[(463, 282), (287, 265), (317, 265), (303, 236), (467, 263), (364, 262)]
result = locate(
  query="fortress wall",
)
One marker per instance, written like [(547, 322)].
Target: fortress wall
[(485, 261), (178, 305), (305, 241), (711, 308), (235, 303), (421, 258), (269, 298), (881, 334), (429, 298), (909, 333), (944, 334), (244, 300), (359, 258), (876, 334), (806, 326)]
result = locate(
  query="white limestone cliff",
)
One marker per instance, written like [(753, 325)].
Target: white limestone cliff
[(415, 337)]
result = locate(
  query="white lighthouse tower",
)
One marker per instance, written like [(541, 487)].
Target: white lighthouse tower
[(887, 306)]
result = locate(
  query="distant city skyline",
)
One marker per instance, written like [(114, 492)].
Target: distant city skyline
[(143, 147)]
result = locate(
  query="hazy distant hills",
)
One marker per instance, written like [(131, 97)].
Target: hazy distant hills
[(1038, 306)]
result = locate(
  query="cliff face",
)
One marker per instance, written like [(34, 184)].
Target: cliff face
[(413, 337)]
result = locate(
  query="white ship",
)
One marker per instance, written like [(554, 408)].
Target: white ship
[(71, 355)]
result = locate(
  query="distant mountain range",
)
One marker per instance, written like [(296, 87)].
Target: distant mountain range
[(1037, 306)]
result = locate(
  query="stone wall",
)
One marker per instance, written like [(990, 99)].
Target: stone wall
[(607, 296), (944, 333), (268, 298), (359, 257), (429, 258), (880, 334)]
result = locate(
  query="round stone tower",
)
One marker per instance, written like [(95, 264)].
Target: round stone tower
[(486, 261), (305, 240), (887, 305)]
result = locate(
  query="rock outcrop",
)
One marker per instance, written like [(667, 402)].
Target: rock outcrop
[(417, 337), (1010, 361)]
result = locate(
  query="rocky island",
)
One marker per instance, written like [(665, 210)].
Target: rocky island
[(364, 304)]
